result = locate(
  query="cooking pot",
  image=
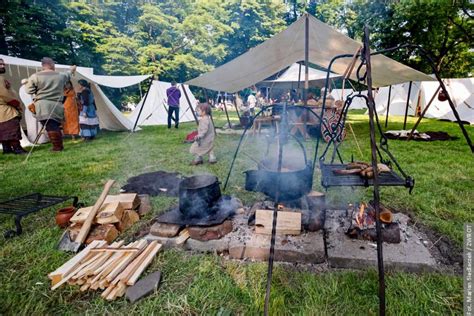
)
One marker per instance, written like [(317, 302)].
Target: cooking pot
[(293, 183), (198, 195)]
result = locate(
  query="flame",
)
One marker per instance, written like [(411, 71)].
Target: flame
[(360, 216)]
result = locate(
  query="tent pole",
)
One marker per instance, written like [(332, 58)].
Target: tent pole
[(388, 104), (235, 105), (406, 108), (299, 78), (423, 114), (143, 104), (204, 90), (189, 104), (306, 60), (226, 113)]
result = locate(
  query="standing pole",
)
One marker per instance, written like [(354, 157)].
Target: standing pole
[(306, 59), (143, 104), (235, 105), (378, 225), (189, 104), (299, 79), (207, 101), (423, 114), (226, 113), (406, 108), (388, 104)]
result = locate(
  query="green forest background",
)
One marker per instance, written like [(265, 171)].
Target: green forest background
[(178, 40)]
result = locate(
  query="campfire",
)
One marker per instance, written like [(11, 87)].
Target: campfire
[(363, 224)]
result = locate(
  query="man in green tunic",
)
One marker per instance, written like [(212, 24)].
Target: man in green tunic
[(47, 86)]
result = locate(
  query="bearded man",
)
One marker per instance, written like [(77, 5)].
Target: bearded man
[(47, 88), (10, 116)]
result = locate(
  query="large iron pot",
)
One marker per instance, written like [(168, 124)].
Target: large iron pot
[(294, 184), (197, 196)]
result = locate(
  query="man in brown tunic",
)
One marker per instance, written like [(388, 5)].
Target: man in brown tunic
[(10, 116)]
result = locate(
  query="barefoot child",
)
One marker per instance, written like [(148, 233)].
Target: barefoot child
[(204, 142)]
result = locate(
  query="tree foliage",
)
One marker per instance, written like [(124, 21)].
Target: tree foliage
[(182, 39)]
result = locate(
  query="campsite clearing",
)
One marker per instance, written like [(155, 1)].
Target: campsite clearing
[(442, 200)]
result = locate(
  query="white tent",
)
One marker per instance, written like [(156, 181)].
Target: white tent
[(461, 92), (288, 47), (110, 118), (398, 99), (155, 109), (357, 103), (296, 72)]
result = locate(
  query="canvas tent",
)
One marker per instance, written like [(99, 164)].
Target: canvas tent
[(296, 72), (398, 99), (288, 47), (462, 94), (110, 118), (155, 107)]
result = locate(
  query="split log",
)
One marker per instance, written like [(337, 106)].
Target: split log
[(110, 213), (81, 215), (147, 260), (106, 232), (183, 236), (129, 201), (288, 223), (129, 218)]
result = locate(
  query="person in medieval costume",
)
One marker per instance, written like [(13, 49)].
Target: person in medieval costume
[(47, 88), (71, 111), (10, 116), (88, 120), (204, 141)]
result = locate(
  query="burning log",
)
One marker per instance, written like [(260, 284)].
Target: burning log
[(363, 224)]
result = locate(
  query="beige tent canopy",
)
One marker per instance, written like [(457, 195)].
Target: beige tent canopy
[(288, 47)]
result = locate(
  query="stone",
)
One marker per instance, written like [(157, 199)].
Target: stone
[(343, 252), (164, 230), (210, 232), (315, 220), (143, 287), (305, 248), (145, 204)]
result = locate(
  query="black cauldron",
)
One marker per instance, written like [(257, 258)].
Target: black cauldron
[(294, 182), (198, 195)]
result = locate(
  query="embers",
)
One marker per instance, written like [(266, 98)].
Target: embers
[(363, 224)]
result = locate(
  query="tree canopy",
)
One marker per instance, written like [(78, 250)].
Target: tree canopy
[(178, 40)]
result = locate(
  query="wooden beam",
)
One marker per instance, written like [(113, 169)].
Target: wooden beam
[(288, 223)]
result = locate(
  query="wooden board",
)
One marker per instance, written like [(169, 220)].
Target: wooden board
[(183, 236), (81, 215), (288, 223), (110, 213), (144, 264), (129, 218), (128, 201)]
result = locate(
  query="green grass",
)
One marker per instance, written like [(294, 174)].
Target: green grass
[(207, 284)]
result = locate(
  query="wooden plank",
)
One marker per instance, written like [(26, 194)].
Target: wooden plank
[(134, 277), (110, 213), (288, 223), (57, 275), (183, 236), (90, 217), (129, 218), (81, 215), (72, 273), (125, 274), (127, 259), (129, 201)]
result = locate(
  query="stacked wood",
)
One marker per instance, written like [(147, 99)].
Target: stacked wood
[(109, 268), (117, 214)]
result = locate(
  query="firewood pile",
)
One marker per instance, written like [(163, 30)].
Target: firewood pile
[(118, 213), (110, 268)]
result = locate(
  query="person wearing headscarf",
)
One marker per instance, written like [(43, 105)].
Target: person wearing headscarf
[(88, 120), (71, 111), (10, 116), (47, 88)]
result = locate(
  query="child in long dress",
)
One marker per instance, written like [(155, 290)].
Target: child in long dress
[(204, 141)]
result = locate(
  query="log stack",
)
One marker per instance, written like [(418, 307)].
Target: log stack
[(111, 268), (116, 215)]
